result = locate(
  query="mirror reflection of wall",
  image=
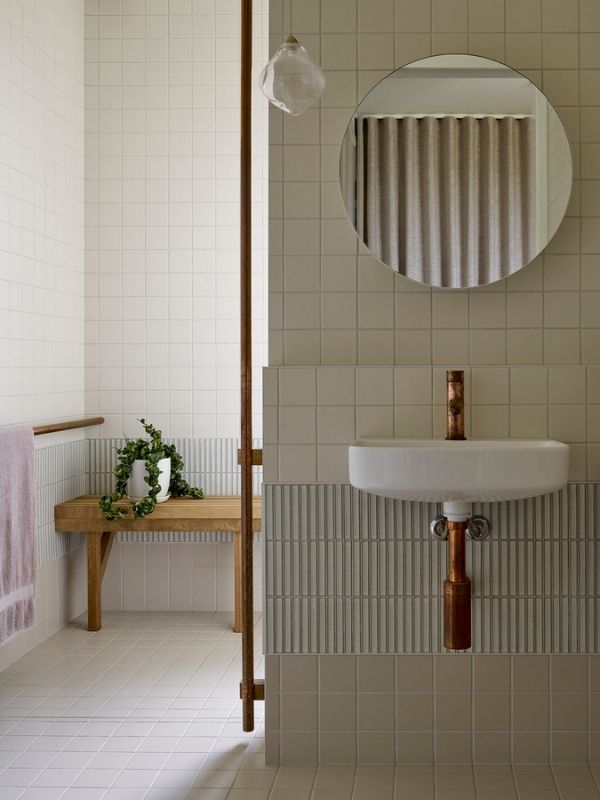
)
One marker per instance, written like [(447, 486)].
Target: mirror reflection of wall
[(455, 171)]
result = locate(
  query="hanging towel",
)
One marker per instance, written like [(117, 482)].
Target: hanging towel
[(17, 531)]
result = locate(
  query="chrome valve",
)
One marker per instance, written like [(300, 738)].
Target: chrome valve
[(478, 528)]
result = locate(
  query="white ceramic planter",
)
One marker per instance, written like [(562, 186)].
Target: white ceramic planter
[(137, 488)]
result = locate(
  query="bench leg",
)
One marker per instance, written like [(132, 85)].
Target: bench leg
[(99, 546), (94, 554), (237, 578)]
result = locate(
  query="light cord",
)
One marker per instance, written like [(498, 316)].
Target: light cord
[(287, 14)]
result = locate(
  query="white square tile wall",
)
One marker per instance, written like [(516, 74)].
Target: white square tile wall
[(162, 239), (41, 211), (175, 577)]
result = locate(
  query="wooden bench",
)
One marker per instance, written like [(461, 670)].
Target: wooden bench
[(218, 513)]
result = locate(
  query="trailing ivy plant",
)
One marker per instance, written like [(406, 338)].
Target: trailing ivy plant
[(151, 451)]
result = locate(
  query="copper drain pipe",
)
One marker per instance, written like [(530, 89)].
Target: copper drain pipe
[(457, 591)]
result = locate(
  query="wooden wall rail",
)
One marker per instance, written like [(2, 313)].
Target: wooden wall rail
[(39, 430)]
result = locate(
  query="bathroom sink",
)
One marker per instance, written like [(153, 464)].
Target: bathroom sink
[(436, 470)]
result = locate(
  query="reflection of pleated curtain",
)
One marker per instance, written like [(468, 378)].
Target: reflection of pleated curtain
[(446, 201)]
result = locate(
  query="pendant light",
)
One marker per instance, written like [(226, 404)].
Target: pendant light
[(291, 80)]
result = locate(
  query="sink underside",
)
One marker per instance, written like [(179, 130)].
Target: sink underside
[(431, 470)]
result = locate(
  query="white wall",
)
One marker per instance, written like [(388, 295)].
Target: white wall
[(162, 143), (42, 278), (161, 306), (41, 210), (162, 251)]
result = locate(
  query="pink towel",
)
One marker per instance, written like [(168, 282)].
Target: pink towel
[(17, 531)]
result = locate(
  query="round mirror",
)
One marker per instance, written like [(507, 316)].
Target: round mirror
[(455, 171)]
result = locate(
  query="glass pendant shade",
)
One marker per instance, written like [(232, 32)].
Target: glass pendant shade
[(291, 80)]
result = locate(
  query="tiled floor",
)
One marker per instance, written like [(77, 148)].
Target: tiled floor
[(146, 709)]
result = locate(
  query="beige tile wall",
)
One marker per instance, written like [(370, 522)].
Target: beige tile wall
[(530, 345), (348, 572), (447, 709), (358, 351), (312, 414), (331, 302)]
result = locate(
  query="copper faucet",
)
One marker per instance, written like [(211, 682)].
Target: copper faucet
[(455, 380)]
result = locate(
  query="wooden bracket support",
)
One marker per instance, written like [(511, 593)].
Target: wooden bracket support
[(256, 457), (257, 690)]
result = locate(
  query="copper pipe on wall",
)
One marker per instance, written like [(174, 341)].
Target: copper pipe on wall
[(457, 591), (40, 430), (247, 688), (455, 380), (457, 586)]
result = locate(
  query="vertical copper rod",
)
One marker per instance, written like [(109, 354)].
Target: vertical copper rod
[(455, 380), (457, 591), (247, 686)]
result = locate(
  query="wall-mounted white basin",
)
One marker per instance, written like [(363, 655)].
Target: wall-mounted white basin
[(434, 470)]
